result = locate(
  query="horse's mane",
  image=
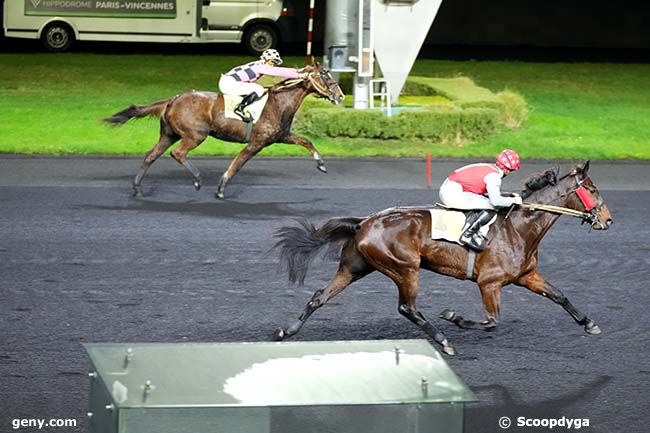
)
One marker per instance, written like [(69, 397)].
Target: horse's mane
[(540, 181)]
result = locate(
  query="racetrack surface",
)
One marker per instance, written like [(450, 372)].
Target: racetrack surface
[(81, 260)]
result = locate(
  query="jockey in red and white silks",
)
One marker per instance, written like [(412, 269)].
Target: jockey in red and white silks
[(241, 80), (478, 186)]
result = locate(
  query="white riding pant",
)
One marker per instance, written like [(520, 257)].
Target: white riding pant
[(229, 86), (452, 195)]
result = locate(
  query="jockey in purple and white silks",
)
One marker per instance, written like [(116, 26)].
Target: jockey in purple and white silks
[(241, 80), (478, 186)]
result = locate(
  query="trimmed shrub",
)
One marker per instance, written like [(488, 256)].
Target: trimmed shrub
[(474, 113), (515, 111), (435, 124), (479, 122)]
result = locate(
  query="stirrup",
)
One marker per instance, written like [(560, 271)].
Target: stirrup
[(476, 242), (246, 117)]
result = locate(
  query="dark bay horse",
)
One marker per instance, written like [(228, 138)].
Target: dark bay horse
[(397, 243), (192, 116)]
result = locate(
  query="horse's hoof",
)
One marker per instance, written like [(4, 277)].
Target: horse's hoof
[(448, 315), (449, 349), (219, 194), (279, 334), (137, 192), (321, 167), (197, 185), (592, 328)]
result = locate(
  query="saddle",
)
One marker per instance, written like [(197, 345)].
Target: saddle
[(449, 224), (230, 102)]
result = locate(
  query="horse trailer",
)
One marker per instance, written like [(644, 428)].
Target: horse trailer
[(258, 24)]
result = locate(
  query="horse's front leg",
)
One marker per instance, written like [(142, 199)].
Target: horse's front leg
[(301, 141), (242, 158), (534, 282)]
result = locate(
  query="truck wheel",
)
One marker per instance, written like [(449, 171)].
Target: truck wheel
[(57, 37), (260, 37)]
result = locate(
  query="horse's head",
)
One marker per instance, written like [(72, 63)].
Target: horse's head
[(583, 195), (323, 83)]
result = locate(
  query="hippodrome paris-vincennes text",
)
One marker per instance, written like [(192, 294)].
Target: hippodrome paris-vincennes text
[(139, 5)]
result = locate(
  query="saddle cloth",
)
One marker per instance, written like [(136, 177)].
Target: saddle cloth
[(448, 224), (230, 102)]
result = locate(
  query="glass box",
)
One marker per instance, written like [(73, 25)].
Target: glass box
[(396, 386)]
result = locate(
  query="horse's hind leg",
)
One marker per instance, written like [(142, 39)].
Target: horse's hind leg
[(180, 155), (491, 296), (339, 282), (301, 141), (351, 269), (242, 158), (534, 282), (167, 138), (408, 284)]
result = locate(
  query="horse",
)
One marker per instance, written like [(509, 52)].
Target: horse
[(397, 243), (192, 116)]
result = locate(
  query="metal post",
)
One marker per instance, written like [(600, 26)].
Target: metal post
[(310, 29)]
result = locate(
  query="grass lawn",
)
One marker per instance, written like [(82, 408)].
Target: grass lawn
[(53, 103)]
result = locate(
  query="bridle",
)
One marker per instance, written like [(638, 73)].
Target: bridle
[(323, 88), (319, 79), (584, 194)]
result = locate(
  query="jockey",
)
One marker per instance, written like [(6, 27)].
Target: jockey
[(241, 80), (478, 186)]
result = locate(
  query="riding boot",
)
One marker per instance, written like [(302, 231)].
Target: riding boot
[(247, 100), (471, 236)]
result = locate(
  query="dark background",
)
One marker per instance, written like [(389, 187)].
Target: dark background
[(546, 30)]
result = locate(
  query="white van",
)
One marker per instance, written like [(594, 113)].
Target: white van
[(258, 24)]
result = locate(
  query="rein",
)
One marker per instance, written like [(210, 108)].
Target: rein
[(288, 84), (320, 86), (585, 197), (557, 210)]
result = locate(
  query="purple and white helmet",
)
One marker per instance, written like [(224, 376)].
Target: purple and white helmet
[(271, 55)]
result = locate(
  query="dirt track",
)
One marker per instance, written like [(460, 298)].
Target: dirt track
[(81, 261)]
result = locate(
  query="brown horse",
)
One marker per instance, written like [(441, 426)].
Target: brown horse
[(192, 116), (397, 243)]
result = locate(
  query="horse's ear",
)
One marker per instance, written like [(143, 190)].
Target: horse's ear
[(581, 168)]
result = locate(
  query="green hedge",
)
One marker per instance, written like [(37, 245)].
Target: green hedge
[(434, 123), (471, 113)]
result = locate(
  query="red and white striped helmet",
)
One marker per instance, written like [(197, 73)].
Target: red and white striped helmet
[(509, 159)]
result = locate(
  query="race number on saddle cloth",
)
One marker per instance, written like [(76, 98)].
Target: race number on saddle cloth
[(240, 86), (231, 102), (478, 187), (449, 224)]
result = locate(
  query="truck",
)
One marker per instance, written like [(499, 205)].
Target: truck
[(257, 24)]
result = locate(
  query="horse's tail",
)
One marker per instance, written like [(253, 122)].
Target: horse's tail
[(299, 245), (156, 109)]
